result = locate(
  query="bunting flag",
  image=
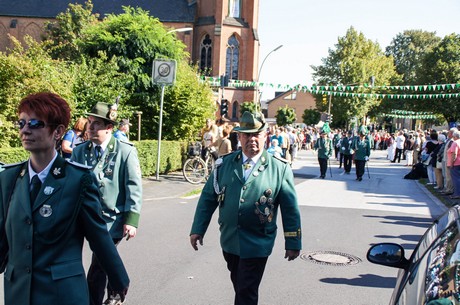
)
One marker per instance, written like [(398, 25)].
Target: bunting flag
[(406, 114), (433, 91)]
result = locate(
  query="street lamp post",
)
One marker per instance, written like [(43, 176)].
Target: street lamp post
[(259, 94), (180, 30), (139, 113)]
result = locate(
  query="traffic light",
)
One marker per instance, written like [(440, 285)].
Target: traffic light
[(223, 108), (324, 99), (329, 118)]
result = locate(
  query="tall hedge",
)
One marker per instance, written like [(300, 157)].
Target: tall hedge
[(172, 156)]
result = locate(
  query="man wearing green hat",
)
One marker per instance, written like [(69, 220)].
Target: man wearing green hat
[(248, 187), (324, 147), (116, 166), (362, 147)]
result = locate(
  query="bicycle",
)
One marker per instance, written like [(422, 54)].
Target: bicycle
[(196, 169)]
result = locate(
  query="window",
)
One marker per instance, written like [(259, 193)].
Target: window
[(291, 96), (232, 61), (206, 55), (234, 110), (234, 8)]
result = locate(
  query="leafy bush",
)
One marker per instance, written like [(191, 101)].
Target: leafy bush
[(173, 154)]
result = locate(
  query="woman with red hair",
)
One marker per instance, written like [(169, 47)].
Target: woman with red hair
[(47, 207)]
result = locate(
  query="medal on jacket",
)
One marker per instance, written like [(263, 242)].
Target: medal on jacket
[(264, 207), (46, 210), (48, 190)]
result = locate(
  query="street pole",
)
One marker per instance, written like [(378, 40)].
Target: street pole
[(160, 125), (139, 113), (258, 93)]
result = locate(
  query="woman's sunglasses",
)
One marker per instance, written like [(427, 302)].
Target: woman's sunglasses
[(33, 124)]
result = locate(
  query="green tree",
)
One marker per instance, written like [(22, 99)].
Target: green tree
[(442, 66), (311, 116), (351, 64), (24, 71), (134, 40), (62, 35), (408, 50), (248, 106), (285, 116)]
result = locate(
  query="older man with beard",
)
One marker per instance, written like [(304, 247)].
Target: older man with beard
[(248, 187)]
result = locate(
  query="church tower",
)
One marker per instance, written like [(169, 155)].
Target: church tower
[(226, 43)]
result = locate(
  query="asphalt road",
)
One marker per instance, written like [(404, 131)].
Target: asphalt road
[(340, 216)]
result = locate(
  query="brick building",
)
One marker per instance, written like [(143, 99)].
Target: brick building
[(299, 101), (224, 39)]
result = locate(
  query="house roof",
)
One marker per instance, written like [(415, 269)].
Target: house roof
[(165, 10)]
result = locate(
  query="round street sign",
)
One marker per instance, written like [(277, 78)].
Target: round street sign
[(164, 72)]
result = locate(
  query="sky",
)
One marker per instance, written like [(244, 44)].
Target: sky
[(308, 29)]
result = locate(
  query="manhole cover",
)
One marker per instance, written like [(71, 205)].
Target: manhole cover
[(330, 258)]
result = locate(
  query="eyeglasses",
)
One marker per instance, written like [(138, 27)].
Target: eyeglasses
[(33, 124)]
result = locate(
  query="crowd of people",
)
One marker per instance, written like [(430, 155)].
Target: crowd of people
[(435, 151)]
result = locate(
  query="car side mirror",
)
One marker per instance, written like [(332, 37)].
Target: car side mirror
[(388, 254)]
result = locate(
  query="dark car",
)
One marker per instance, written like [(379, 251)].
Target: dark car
[(431, 275)]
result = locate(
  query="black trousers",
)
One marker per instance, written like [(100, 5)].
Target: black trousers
[(246, 275), (97, 280), (322, 166), (360, 166), (347, 160), (398, 155)]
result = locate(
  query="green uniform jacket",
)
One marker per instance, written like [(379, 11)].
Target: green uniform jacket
[(362, 148), (345, 146), (119, 181), (44, 241), (248, 209), (324, 147)]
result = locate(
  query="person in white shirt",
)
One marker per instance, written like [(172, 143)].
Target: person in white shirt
[(399, 141)]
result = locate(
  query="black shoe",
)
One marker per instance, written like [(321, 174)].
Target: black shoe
[(360, 179), (322, 177), (392, 161)]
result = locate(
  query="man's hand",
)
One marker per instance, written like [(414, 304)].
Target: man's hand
[(129, 231), (366, 158), (194, 239), (291, 254), (116, 297)]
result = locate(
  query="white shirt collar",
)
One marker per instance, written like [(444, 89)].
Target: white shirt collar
[(41, 175), (253, 159), (104, 144)]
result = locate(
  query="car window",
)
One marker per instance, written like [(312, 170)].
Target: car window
[(434, 275)]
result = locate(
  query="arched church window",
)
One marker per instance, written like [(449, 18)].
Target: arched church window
[(232, 60), (235, 110), (206, 55)]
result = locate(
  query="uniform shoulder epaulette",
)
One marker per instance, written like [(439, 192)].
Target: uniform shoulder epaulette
[(13, 164), (126, 142), (81, 143), (79, 165), (281, 159)]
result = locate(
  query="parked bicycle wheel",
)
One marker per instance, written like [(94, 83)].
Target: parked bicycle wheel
[(194, 170)]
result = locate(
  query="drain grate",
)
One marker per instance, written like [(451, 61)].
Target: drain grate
[(330, 258)]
